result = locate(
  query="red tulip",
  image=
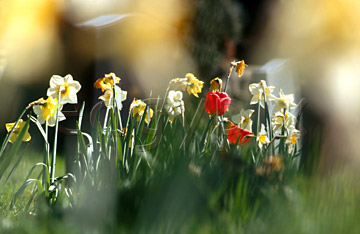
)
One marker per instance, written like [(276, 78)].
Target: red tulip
[(236, 135), (217, 103)]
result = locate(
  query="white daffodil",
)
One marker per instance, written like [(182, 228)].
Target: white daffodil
[(120, 96), (292, 139), (174, 105), (46, 111), (261, 93), (278, 120), (243, 119), (66, 86), (262, 137), (284, 102)]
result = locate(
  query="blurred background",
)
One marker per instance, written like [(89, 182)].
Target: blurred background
[(147, 43)]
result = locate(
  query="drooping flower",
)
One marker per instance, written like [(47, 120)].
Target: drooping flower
[(120, 96), (18, 128), (216, 104), (216, 85), (278, 121), (239, 67), (175, 104), (107, 82), (194, 85), (261, 93), (284, 102), (292, 139), (262, 137), (138, 107), (236, 135), (46, 111), (244, 119), (66, 86)]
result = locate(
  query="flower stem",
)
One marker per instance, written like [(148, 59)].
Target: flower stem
[(53, 158)]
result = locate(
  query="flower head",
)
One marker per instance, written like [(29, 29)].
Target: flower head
[(262, 137), (216, 85), (239, 67), (18, 128), (138, 107), (189, 83), (236, 135), (194, 85), (284, 102), (120, 96), (46, 111), (278, 121), (67, 88), (244, 119), (107, 82), (174, 105), (261, 93), (292, 139), (217, 103)]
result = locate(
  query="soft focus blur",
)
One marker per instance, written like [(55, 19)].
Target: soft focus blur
[(147, 43), (323, 38)]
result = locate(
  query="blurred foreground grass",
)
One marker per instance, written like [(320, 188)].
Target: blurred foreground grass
[(184, 203)]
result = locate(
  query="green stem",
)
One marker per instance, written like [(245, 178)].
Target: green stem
[(46, 156), (258, 119), (53, 158)]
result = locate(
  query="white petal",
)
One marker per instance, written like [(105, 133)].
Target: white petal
[(56, 80), (68, 78), (37, 109), (75, 86)]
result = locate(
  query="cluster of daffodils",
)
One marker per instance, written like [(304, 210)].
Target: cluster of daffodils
[(174, 104), (282, 120), (108, 85), (62, 90)]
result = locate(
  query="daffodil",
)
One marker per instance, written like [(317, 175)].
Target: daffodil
[(66, 86), (194, 85), (189, 83), (120, 96), (107, 82), (278, 121), (261, 93), (284, 102), (46, 111), (138, 107), (262, 137), (18, 128), (216, 85), (239, 67), (292, 139), (244, 119), (174, 105)]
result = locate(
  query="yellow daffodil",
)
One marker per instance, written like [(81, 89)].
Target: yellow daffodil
[(262, 137), (46, 111), (107, 82), (120, 96), (278, 120), (261, 93), (292, 139), (175, 104), (216, 85), (243, 119), (239, 67), (284, 102), (138, 107), (18, 128), (66, 86), (194, 85), (189, 83)]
